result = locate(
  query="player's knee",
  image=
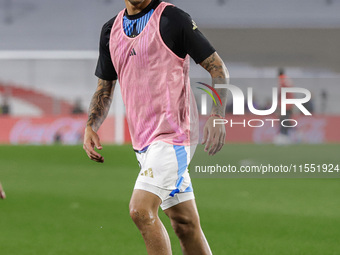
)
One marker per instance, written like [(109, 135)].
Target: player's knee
[(142, 217), (185, 227)]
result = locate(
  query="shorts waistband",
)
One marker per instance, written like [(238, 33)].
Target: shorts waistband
[(142, 150)]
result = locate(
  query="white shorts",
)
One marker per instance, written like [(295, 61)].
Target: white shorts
[(164, 172)]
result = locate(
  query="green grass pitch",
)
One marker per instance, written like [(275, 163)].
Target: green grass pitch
[(59, 202)]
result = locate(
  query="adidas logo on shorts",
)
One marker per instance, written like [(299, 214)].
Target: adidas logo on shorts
[(147, 173)]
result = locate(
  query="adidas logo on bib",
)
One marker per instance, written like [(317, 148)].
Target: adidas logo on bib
[(133, 52)]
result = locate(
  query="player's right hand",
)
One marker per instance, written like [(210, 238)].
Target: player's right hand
[(91, 141)]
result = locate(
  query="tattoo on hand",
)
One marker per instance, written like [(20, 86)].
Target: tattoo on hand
[(100, 103)]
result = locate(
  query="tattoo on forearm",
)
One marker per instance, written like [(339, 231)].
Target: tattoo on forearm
[(210, 63), (100, 103), (220, 75), (220, 109)]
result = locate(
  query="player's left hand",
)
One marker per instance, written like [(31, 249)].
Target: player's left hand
[(213, 137)]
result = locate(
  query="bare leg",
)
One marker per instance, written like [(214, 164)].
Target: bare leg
[(144, 212), (185, 221), (2, 192)]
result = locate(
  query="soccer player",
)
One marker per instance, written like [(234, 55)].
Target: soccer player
[(147, 47), (284, 82), (2, 192)]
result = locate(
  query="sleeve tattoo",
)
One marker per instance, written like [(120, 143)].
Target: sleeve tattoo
[(100, 103), (220, 75)]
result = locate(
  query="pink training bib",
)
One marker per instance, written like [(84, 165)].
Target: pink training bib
[(155, 85)]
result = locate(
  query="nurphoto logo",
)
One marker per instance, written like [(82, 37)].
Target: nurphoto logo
[(239, 104)]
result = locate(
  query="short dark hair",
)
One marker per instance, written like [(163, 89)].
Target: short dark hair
[(281, 71)]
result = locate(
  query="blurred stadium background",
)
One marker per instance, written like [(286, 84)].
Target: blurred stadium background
[(48, 53), (61, 203)]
